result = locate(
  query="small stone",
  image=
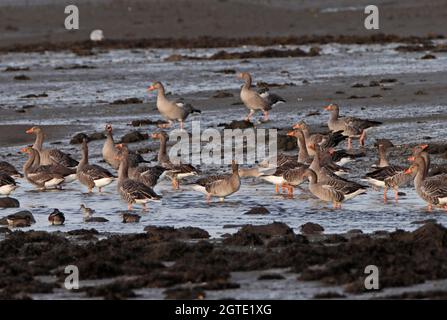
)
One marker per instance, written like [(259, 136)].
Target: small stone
[(311, 228), (258, 210)]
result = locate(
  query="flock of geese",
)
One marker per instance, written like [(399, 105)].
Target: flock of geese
[(318, 162)]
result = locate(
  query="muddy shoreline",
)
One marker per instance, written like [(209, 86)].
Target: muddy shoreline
[(185, 264), (86, 47)]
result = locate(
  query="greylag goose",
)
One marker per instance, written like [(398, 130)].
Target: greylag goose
[(325, 141), (50, 156), (322, 190), (350, 189), (7, 184), (255, 101), (171, 110), (56, 218), (174, 171), (110, 153), (132, 191), (220, 186), (9, 169), (43, 178), (350, 126), (92, 175), (88, 215), (390, 176), (431, 189)]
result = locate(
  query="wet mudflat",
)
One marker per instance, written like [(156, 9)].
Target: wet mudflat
[(68, 94), (267, 261)]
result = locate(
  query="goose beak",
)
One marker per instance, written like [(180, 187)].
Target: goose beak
[(424, 146), (291, 133), (119, 146), (409, 171), (29, 131), (296, 126), (328, 108), (151, 88), (24, 150), (411, 158)]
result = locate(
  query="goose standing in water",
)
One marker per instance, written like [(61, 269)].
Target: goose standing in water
[(171, 110), (50, 156), (92, 175), (391, 176), (350, 126), (255, 101), (432, 190), (173, 171), (324, 191), (220, 186), (110, 152), (350, 189), (42, 177), (7, 184), (132, 191)]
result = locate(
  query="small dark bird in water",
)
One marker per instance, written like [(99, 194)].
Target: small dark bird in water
[(20, 219), (56, 218), (130, 218)]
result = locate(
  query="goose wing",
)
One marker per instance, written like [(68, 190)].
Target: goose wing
[(137, 190), (59, 157)]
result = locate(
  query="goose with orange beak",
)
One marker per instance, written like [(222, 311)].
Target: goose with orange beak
[(50, 156), (171, 110), (40, 176), (350, 126), (432, 190), (131, 191), (255, 101)]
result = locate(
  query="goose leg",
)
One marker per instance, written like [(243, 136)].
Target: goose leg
[(396, 195), (181, 125), (276, 188), (129, 206), (247, 118), (290, 191), (362, 138), (100, 189), (429, 207), (208, 198), (384, 194), (349, 143)]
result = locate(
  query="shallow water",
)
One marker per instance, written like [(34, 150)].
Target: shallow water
[(126, 73)]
